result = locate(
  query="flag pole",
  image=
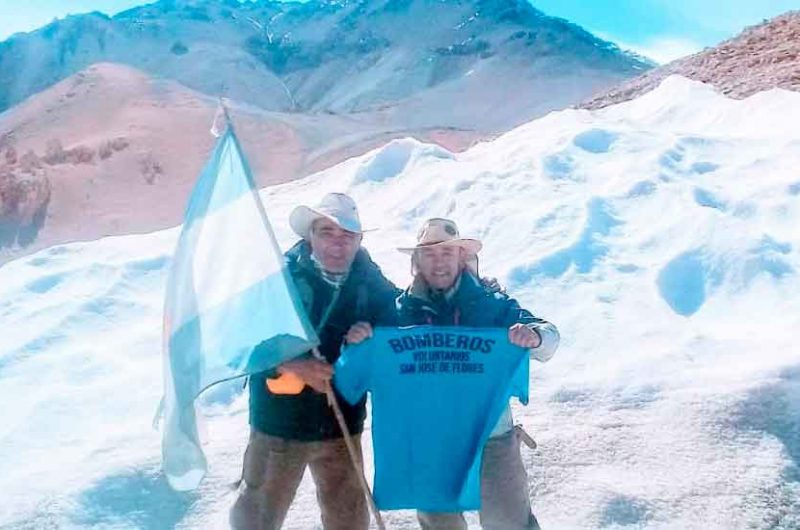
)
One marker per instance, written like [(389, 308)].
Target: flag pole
[(221, 114), (354, 457)]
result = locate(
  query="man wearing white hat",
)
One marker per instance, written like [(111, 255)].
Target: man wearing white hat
[(292, 425), (446, 291)]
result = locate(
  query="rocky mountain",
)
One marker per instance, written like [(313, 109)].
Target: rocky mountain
[(336, 56), (106, 118), (112, 150)]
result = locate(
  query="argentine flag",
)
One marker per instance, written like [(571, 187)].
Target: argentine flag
[(228, 291)]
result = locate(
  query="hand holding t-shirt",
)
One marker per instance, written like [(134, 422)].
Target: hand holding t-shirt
[(437, 392)]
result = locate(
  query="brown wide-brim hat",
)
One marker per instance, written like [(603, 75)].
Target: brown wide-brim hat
[(437, 232)]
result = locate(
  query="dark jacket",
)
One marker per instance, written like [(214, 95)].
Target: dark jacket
[(476, 305), (364, 296)]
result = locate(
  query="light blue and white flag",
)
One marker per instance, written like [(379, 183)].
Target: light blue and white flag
[(228, 291)]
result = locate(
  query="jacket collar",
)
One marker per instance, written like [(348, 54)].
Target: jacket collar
[(299, 256), (467, 287)]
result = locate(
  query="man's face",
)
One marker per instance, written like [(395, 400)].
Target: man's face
[(440, 265), (333, 247)]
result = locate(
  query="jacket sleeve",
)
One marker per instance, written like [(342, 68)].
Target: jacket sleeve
[(515, 314), (383, 295)]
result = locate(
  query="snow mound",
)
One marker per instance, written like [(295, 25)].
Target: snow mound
[(395, 158), (660, 235)]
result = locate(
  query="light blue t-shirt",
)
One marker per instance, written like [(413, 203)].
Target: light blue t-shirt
[(437, 392)]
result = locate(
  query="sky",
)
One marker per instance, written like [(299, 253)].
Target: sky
[(660, 29), (18, 16), (665, 29)]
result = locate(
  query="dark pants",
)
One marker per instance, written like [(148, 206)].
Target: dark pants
[(505, 504), (273, 469)]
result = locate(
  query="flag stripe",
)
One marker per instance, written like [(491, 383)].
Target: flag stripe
[(226, 165), (225, 335), (219, 270)]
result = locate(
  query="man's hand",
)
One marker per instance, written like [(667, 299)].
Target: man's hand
[(358, 332), (492, 285), (523, 336), (313, 372)]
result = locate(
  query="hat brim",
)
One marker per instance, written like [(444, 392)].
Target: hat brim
[(302, 218), (471, 246)]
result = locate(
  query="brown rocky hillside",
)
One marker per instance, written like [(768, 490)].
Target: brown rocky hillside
[(760, 58)]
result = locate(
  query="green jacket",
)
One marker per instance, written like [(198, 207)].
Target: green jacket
[(365, 295)]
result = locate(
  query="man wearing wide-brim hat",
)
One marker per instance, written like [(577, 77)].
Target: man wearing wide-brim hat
[(446, 291), (292, 425)]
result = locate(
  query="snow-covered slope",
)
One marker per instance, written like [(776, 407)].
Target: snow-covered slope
[(661, 236)]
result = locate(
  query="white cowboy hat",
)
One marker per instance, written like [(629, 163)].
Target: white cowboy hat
[(337, 207), (438, 231)]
